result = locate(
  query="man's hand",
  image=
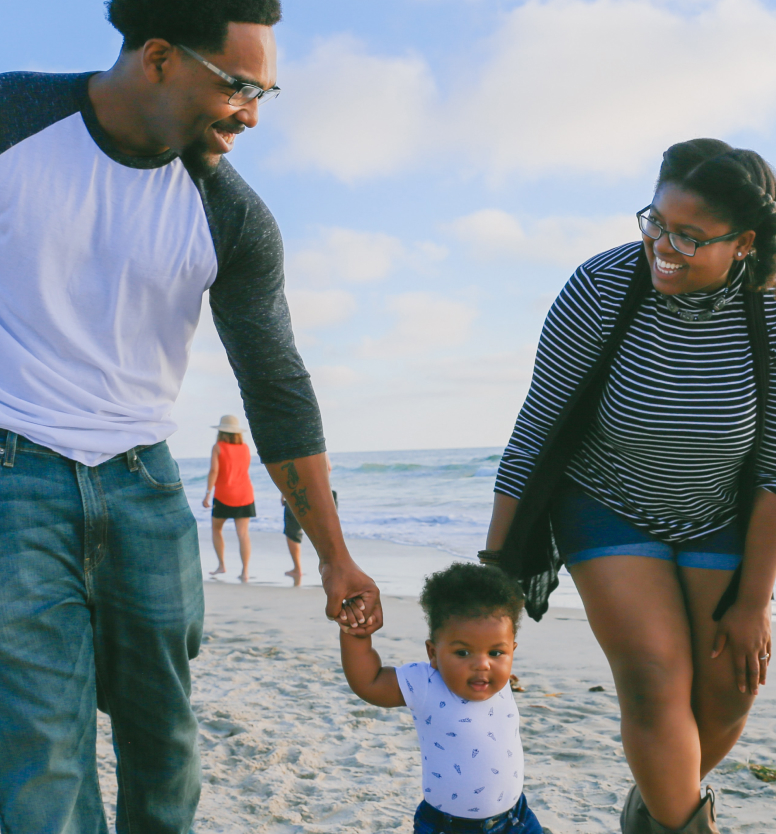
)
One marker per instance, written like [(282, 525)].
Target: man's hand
[(344, 581)]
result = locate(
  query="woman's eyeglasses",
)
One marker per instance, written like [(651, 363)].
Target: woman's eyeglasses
[(684, 245)]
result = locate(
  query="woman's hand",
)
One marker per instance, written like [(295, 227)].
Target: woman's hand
[(206, 500), (504, 509), (747, 631)]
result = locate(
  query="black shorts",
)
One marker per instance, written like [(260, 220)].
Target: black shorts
[(221, 510), (292, 529)]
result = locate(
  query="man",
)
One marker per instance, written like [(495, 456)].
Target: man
[(117, 212), (294, 534)]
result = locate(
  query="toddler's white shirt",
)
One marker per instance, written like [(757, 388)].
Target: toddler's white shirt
[(472, 755)]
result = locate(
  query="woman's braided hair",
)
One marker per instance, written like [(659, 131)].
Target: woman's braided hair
[(738, 186)]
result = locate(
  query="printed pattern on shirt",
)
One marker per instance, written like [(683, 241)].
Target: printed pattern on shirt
[(472, 754), (677, 416)]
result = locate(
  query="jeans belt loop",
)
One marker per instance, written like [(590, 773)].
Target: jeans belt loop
[(9, 456), (132, 459)]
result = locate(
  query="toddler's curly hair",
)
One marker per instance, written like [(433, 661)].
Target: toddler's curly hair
[(470, 591)]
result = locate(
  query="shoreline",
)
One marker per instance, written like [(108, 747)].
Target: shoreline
[(398, 569)]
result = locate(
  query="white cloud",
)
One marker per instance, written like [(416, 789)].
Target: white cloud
[(355, 257), (334, 376), (346, 255), (352, 114), (490, 233), (424, 322), (566, 241), (316, 309), (429, 252), (598, 86), (606, 85), (500, 369)]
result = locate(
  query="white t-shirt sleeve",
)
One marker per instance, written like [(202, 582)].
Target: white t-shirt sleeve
[(413, 682)]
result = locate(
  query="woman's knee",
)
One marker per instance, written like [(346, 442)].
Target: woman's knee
[(718, 705), (650, 685)]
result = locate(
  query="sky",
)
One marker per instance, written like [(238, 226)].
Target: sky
[(438, 169)]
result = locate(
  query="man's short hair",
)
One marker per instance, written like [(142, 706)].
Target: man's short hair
[(199, 24)]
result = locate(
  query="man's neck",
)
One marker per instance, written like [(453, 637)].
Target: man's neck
[(119, 107)]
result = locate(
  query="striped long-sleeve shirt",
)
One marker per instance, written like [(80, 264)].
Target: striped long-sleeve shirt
[(677, 415)]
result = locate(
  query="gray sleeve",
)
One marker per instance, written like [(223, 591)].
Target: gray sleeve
[(251, 315), (31, 101)]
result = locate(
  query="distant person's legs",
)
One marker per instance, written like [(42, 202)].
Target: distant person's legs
[(292, 530), (244, 537), (295, 549), (218, 544)]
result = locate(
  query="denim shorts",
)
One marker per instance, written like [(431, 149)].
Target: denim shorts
[(518, 820), (585, 529)]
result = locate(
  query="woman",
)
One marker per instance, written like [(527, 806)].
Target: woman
[(647, 446), (229, 464)]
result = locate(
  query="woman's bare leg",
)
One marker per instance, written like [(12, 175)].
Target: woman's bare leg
[(218, 544), (244, 537), (636, 609), (720, 709)]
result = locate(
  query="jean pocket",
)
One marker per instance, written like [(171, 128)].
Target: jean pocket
[(158, 469)]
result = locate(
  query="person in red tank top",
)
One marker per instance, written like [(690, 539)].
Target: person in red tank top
[(229, 480)]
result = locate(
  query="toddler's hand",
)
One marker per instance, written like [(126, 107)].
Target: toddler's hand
[(344, 623)]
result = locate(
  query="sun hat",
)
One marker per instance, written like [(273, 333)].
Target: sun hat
[(230, 424)]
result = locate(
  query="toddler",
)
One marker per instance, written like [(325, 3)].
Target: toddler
[(461, 702)]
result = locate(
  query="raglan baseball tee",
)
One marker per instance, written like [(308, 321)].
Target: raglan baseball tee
[(104, 259)]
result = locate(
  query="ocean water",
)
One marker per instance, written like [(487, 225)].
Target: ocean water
[(440, 499)]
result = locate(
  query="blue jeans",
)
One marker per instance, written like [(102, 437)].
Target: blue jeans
[(101, 605), (520, 820)]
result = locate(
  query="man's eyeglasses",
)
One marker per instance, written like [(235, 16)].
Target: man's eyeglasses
[(684, 245), (243, 93)]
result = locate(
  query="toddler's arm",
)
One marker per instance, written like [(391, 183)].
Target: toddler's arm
[(368, 678)]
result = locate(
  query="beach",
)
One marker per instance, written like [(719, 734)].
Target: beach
[(287, 748)]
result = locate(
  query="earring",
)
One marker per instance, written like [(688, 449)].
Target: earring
[(740, 254)]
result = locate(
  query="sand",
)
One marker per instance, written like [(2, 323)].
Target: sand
[(287, 748)]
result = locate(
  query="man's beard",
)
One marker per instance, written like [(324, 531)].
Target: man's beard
[(199, 160)]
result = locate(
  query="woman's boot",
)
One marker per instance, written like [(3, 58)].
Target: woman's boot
[(636, 819)]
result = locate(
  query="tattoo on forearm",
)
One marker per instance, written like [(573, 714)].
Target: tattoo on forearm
[(301, 504), (300, 500), (292, 476)]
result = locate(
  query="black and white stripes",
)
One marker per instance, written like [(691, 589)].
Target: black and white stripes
[(677, 417)]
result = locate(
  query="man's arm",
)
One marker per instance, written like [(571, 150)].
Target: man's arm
[(304, 483), (251, 315)]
